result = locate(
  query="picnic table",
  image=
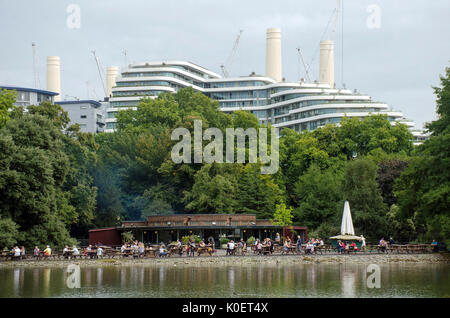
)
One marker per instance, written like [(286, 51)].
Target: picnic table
[(206, 249), (290, 249)]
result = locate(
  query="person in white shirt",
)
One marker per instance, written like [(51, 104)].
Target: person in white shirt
[(75, 251), (99, 252), (363, 243), (16, 251)]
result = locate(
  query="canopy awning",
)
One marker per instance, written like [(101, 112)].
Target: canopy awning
[(346, 238)]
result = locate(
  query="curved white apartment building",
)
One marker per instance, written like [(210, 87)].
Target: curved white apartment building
[(296, 105), (299, 106)]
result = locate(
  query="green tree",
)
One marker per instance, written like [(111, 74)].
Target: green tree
[(366, 203), (9, 233), (283, 215), (318, 196), (7, 100), (423, 189)]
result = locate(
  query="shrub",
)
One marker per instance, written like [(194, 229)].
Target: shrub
[(127, 237), (251, 240), (223, 240)]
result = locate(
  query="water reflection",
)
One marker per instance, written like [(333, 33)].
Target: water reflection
[(348, 281), (299, 280)]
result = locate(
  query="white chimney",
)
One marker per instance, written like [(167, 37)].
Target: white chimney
[(111, 75), (54, 76), (273, 54), (326, 64)]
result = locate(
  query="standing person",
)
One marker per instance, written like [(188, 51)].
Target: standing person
[(192, 248), (277, 238), (299, 244), (22, 252), (99, 252), (363, 243), (180, 248)]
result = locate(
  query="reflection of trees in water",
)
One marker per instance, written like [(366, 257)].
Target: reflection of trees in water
[(311, 277), (162, 274), (231, 278), (36, 272), (45, 282)]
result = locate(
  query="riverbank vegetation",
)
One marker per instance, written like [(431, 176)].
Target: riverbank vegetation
[(56, 182)]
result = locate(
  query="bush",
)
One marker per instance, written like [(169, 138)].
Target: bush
[(223, 240), (187, 239), (127, 237), (251, 240)]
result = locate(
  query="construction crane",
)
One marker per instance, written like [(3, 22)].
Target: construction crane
[(332, 21), (37, 84), (230, 58), (304, 64), (99, 71)]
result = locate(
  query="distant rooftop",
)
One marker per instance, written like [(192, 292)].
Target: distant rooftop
[(27, 89), (84, 101)]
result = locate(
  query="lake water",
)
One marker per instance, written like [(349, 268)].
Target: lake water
[(300, 280)]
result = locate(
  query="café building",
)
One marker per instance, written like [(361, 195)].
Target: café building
[(169, 228)]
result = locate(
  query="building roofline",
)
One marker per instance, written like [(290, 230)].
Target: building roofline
[(84, 101), (27, 89), (103, 229)]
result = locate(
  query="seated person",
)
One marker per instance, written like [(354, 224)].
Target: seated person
[(36, 252), (141, 250), (232, 247), (162, 251), (66, 251), (435, 246), (259, 247), (47, 251), (340, 247), (285, 247), (16, 252), (75, 251)]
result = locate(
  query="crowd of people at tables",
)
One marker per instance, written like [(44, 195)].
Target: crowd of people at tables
[(261, 247)]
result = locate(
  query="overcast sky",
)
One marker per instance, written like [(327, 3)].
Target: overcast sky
[(396, 63)]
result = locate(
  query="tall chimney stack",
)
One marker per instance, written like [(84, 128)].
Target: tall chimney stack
[(54, 76), (326, 64), (111, 75), (273, 54)]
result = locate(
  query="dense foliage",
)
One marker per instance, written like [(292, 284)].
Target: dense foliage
[(56, 182)]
